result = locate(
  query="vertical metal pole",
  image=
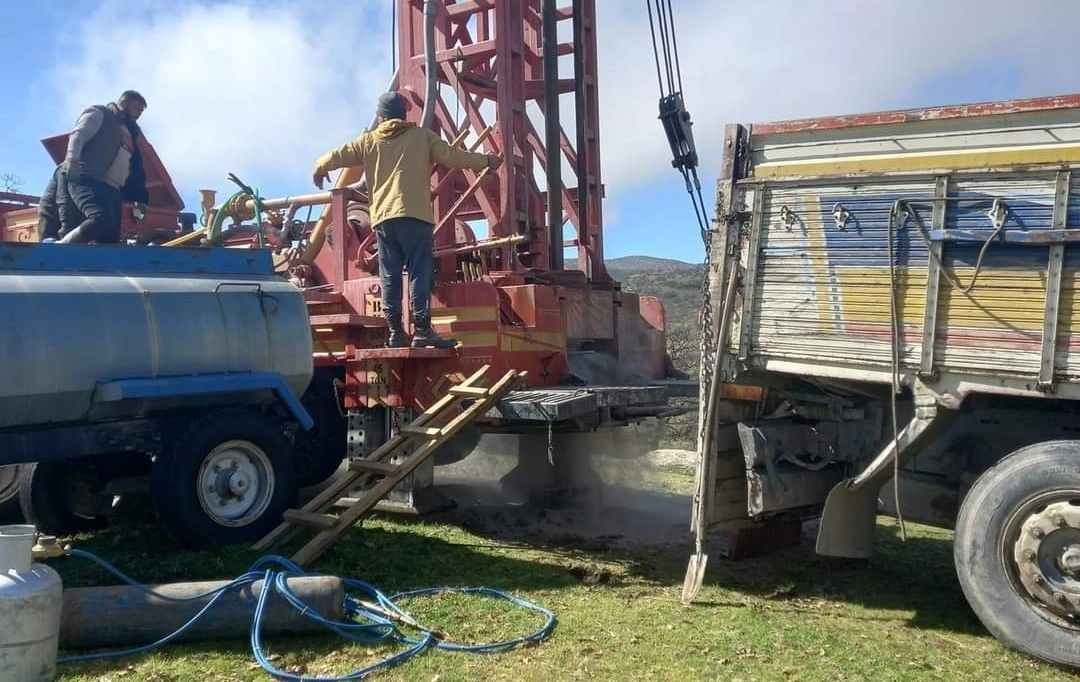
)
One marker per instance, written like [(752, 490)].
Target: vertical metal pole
[(553, 141), (927, 372), (580, 114), (1055, 266)]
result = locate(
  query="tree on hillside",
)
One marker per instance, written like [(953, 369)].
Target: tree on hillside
[(9, 182)]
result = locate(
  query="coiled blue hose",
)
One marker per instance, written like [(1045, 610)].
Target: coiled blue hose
[(371, 622)]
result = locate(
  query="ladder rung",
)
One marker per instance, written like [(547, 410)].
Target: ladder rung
[(470, 391), (425, 431), (370, 466), (306, 518)]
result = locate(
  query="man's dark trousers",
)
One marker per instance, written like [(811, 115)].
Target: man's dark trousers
[(100, 203), (56, 210), (406, 243)]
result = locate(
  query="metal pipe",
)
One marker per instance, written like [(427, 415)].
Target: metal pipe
[(286, 202), (578, 16), (428, 114), (553, 137), (659, 411), (485, 245)]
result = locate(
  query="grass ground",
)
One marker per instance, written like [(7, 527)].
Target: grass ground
[(788, 616)]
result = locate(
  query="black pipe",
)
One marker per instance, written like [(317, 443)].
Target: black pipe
[(579, 114), (554, 147), (658, 411)]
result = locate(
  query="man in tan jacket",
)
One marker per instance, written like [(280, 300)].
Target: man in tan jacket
[(397, 158)]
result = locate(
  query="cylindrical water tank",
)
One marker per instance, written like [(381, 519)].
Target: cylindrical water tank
[(31, 600), (74, 317)]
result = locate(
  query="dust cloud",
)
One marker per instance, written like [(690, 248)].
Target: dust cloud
[(603, 486)]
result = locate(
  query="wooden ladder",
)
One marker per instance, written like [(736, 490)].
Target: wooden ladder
[(427, 433)]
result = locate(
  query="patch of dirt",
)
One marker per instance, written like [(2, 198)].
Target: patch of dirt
[(591, 575), (681, 460)]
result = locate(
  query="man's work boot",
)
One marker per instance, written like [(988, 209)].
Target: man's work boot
[(397, 338), (425, 337)]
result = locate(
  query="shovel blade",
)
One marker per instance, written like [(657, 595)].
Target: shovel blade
[(695, 577)]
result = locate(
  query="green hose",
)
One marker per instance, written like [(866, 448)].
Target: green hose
[(219, 218)]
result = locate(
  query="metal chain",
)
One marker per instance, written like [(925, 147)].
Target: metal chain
[(705, 319), (550, 444), (707, 344)]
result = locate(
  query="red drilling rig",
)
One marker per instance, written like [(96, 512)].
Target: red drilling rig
[(520, 252), (521, 277)]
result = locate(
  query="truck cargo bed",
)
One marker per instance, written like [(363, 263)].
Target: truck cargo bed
[(961, 218)]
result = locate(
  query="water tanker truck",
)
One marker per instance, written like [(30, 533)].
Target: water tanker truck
[(176, 370)]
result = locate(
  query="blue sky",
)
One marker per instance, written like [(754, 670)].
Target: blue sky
[(261, 89)]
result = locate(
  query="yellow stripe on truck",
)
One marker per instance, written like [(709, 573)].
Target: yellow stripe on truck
[(948, 159), (475, 313)]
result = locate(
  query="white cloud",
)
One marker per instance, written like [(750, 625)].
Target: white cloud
[(261, 89), (779, 59)]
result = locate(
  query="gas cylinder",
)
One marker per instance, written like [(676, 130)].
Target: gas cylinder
[(31, 600)]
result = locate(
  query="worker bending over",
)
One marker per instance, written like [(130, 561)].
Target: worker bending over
[(397, 158), (102, 167)]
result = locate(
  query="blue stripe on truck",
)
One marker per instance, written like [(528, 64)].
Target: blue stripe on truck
[(204, 384), (133, 260)]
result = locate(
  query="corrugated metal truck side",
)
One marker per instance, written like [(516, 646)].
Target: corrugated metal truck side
[(905, 301)]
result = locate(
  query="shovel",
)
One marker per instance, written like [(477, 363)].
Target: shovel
[(695, 569), (695, 575)]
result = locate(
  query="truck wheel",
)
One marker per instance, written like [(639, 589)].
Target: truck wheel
[(53, 496), (10, 512), (320, 452), (1017, 551), (373, 423), (226, 480)]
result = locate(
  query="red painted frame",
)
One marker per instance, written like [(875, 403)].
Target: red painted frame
[(489, 54), (926, 114)]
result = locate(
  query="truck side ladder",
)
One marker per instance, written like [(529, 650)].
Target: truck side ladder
[(427, 433)]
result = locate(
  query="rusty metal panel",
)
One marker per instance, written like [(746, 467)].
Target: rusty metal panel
[(942, 113), (1007, 138), (588, 314), (822, 283), (821, 292), (996, 327)]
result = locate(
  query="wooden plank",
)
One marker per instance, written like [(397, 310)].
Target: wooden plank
[(306, 518), (345, 320), (368, 466), (423, 431), (468, 391), (366, 502), (325, 500)]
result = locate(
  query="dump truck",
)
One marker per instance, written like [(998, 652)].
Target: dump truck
[(892, 327)]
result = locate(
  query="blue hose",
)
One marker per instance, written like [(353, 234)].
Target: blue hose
[(370, 622)]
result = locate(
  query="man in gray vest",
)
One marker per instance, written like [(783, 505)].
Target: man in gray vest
[(103, 167)]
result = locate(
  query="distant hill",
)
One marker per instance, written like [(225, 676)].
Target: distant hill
[(678, 286), (676, 283), (639, 264)]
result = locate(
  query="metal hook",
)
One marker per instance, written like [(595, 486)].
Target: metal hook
[(998, 213), (841, 215), (787, 217)]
